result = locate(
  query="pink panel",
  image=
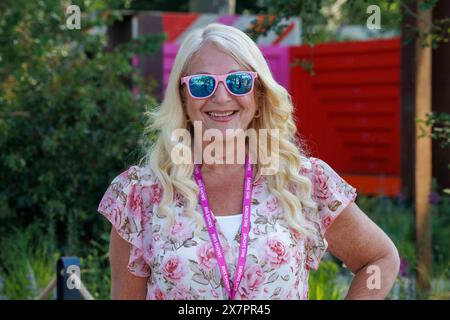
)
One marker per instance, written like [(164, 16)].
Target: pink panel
[(278, 59), (169, 53)]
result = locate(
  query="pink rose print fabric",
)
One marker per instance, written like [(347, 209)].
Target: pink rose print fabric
[(179, 260)]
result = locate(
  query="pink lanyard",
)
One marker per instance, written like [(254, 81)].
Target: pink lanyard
[(245, 228)]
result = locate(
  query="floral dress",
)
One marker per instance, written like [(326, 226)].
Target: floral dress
[(179, 261)]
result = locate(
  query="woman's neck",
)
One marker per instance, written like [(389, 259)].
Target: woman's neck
[(222, 168), (220, 164)]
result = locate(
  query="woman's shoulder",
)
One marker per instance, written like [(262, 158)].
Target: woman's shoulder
[(135, 175), (132, 190), (137, 181), (309, 165), (326, 182), (305, 162), (313, 166)]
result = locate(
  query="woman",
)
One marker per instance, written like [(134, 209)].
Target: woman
[(182, 229)]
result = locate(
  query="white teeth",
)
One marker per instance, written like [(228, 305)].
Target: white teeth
[(220, 114)]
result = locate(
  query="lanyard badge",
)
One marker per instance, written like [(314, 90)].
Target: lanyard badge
[(245, 228)]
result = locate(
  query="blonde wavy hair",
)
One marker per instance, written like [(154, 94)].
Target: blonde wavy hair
[(292, 190)]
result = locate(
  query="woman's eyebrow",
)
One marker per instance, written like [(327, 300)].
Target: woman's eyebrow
[(205, 72)]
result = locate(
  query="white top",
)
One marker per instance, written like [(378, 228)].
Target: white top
[(229, 225)]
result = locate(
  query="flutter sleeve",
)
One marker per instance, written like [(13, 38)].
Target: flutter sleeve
[(332, 195), (125, 205)]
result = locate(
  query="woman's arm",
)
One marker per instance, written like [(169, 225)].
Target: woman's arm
[(366, 250), (124, 285)]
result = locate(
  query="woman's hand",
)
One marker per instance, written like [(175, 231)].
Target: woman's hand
[(124, 285), (366, 250)]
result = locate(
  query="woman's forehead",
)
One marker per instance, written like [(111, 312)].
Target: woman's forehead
[(210, 59)]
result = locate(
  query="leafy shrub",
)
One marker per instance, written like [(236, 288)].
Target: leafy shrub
[(329, 282), (68, 119), (27, 262)]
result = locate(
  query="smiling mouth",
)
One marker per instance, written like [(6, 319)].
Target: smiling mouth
[(222, 116), (221, 113)]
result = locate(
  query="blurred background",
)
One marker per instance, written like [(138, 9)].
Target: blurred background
[(369, 79)]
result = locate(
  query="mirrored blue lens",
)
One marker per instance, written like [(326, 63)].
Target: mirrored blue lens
[(201, 86), (240, 83)]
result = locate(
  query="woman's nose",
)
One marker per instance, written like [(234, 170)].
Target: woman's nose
[(221, 93)]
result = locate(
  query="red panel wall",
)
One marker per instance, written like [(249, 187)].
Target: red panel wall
[(349, 110)]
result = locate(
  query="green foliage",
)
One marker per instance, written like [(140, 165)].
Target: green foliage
[(355, 13), (27, 262), (325, 283), (395, 218), (278, 10), (317, 15), (440, 130), (68, 119), (428, 4), (95, 268), (440, 224)]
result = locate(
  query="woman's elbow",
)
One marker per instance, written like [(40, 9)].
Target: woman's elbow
[(392, 259), (387, 260)]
